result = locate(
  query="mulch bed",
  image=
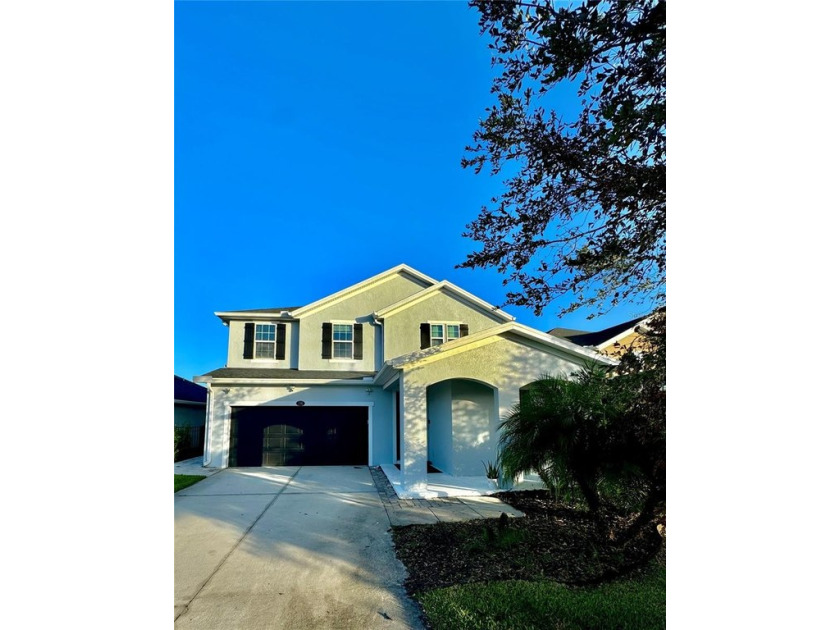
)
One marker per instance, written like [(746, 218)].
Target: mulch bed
[(553, 542)]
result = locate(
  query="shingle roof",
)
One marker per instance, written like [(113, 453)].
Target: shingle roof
[(187, 390), (582, 338), (279, 373), (276, 309)]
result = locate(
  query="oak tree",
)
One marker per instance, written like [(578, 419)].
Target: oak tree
[(582, 213)]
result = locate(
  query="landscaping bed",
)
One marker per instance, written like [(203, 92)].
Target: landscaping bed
[(552, 542), (556, 567)]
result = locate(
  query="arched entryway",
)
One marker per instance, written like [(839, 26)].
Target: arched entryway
[(462, 419)]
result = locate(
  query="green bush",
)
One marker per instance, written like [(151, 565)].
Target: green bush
[(182, 441)]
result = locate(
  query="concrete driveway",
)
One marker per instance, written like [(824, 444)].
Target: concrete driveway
[(287, 547)]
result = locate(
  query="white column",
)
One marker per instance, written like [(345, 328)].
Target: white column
[(415, 448)]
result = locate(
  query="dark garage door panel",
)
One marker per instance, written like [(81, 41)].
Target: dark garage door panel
[(298, 436)]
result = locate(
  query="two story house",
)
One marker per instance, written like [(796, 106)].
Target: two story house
[(399, 371)]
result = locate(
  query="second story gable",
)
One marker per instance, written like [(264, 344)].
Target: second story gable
[(434, 316), (359, 328)]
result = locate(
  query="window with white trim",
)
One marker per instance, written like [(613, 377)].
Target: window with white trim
[(441, 333), (264, 340), (342, 341)]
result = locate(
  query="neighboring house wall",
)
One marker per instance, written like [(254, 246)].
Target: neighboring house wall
[(354, 309), (625, 343), (189, 415), (402, 328)]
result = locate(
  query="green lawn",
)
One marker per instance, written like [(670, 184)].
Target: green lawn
[(185, 481), (636, 603)]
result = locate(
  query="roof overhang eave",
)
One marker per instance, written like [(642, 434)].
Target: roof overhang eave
[(367, 380)]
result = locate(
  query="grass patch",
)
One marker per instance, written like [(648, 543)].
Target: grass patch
[(185, 481), (636, 603)]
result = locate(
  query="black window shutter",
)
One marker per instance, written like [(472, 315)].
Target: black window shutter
[(465, 330), (357, 341), (248, 351), (425, 336), (280, 350), (326, 340)]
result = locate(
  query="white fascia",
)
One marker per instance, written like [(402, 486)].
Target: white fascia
[(226, 316), (314, 307), (367, 381), (436, 288)]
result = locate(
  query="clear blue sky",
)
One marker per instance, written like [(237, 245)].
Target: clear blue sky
[(318, 144)]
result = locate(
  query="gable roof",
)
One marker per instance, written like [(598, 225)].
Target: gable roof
[(361, 286), (509, 328), (189, 391), (440, 287), (599, 337)]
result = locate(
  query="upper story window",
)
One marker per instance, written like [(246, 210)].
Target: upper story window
[(441, 333), (343, 341), (264, 339), (435, 334)]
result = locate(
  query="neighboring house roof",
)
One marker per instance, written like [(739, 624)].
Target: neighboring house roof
[(510, 328), (444, 286), (361, 286), (282, 374), (599, 337), (187, 391), (566, 332)]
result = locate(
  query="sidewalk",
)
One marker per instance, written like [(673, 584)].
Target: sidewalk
[(193, 467)]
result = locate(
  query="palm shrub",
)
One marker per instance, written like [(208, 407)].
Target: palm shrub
[(560, 430), (597, 435)]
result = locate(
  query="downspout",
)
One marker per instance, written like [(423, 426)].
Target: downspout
[(208, 414), (377, 363)]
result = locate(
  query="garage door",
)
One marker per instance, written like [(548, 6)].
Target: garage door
[(298, 436)]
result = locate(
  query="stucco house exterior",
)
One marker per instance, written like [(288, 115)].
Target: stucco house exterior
[(400, 371)]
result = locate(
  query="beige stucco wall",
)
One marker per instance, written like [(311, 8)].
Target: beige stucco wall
[(402, 329), (505, 364), (357, 308)]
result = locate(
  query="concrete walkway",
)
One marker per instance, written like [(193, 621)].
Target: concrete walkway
[(287, 547), (427, 511), (193, 467)]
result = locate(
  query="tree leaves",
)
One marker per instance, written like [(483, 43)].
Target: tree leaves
[(584, 215)]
